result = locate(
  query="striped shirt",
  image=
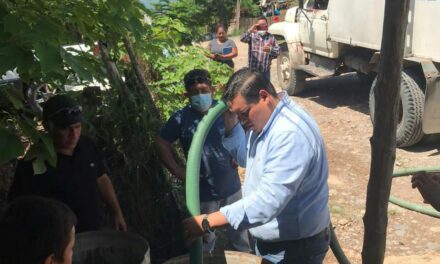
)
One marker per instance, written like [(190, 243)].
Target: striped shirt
[(258, 59)]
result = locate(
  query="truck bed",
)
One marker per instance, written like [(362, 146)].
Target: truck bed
[(360, 23)]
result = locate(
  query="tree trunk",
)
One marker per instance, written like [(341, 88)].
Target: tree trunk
[(383, 141), (140, 78), (237, 15), (112, 71), (235, 23)]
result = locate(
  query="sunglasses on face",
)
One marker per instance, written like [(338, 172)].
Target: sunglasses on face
[(244, 114)]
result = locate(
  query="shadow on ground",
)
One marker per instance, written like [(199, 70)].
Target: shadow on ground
[(347, 91), (340, 91), (428, 143)]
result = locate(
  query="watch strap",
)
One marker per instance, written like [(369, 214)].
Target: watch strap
[(205, 224)]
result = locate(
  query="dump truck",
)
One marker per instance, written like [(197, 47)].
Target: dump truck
[(330, 37)]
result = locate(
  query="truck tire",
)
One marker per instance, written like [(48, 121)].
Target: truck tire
[(366, 78), (291, 80), (412, 99)]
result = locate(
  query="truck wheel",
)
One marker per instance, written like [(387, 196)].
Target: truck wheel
[(366, 78), (412, 99), (291, 80)]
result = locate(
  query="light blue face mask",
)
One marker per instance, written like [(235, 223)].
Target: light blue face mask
[(201, 102)]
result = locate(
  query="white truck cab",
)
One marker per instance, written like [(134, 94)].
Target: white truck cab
[(329, 37)]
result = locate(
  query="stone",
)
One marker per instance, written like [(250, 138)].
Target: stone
[(343, 222), (435, 229), (433, 246)]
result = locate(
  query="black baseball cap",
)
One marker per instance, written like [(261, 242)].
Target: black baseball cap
[(62, 110)]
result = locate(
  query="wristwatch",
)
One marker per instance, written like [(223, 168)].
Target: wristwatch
[(205, 225)]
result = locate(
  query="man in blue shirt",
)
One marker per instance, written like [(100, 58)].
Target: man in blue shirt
[(219, 180), (285, 193)]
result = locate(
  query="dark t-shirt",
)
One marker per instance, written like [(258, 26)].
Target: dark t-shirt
[(219, 178), (73, 182)]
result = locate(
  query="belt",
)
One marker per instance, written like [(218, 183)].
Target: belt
[(319, 235)]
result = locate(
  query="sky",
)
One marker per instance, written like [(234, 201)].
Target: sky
[(147, 3)]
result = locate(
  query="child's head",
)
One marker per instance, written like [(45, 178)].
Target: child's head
[(198, 89), (36, 230)]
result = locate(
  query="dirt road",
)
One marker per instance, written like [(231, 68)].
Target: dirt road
[(340, 106)]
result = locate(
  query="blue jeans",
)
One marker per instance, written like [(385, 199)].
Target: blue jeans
[(311, 250), (238, 240)]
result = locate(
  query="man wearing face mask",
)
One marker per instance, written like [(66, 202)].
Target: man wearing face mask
[(263, 47), (219, 180)]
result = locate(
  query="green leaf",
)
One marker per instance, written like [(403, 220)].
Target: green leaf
[(39, 166), (28, 128), (48, 143), (15, 96), (10, 145), (49, 57), (75, 63), (15, 25), (12, 57), (40, 153), (46, 29)]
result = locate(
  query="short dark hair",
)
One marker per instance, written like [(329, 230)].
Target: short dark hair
[(219, 26), (248, 84), (32, 228), (196, 76), (262, 18)]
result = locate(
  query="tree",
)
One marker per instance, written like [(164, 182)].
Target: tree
[(33, 39), (383, 141)]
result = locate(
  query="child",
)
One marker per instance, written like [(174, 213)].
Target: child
[(36, 230)]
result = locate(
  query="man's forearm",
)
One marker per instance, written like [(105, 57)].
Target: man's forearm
[(275, 51), (246, 37), (217, 220), (166, 156), (108, 194)]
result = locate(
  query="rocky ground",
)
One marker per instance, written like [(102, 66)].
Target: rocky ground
[(340, 106)]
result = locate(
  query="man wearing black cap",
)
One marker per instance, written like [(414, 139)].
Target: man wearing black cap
[(80, 173)]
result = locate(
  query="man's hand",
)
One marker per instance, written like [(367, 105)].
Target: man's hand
[(214, 56), (108, 194), (266, 48), (253, 28), (230, 119), (119, 222), (428, 185), (193, 228)]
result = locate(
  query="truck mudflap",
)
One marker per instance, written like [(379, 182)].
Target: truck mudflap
[(431, 115)]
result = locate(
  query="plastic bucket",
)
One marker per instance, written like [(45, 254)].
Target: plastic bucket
[(110, 247), (229, 257)]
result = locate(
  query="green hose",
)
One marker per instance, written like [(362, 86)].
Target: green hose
[(193, 173), (336, 247), (413, 206)]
